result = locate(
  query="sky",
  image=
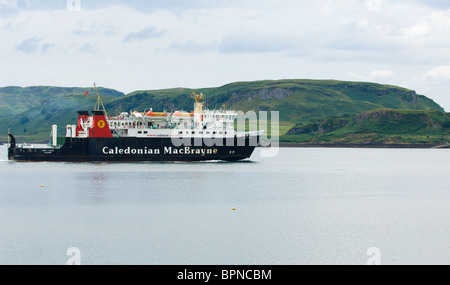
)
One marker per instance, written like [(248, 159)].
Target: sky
[(142, 45)]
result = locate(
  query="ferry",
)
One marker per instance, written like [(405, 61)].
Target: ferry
[(200, 135)]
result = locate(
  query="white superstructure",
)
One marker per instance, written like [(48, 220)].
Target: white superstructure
[(199, 123)]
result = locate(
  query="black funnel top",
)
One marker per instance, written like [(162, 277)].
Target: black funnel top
[(83, 113)]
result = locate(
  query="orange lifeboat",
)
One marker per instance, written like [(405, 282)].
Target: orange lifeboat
[(156, 114), (183, 114)]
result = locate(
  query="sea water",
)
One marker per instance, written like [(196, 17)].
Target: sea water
[(302, 206)]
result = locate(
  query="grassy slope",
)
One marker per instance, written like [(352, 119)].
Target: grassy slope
[(309, 98), (34, 109), (382, 126), (30, 112), (17, 100)]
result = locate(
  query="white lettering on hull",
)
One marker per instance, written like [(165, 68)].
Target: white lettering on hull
[(166, 151)]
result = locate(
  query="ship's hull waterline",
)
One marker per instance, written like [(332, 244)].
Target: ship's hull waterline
[(137, 149)]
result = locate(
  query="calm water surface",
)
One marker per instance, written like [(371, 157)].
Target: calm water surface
[(304, 206)]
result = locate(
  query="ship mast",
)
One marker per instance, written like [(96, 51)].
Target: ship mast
[(198, 104), (99, 101)]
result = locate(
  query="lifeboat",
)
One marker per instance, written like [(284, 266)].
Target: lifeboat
[(183, 114), (137, 114), (156, 114)]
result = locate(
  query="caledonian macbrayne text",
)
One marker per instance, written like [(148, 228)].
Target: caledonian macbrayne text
[(166, 150)]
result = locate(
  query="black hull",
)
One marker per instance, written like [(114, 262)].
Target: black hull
[(137, 150)]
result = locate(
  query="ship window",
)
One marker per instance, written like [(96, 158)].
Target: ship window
[(214, 133), (207, 133), (139, 132), (220, 133), (145, 132), (201, 133), (180, 133), (193, 133)]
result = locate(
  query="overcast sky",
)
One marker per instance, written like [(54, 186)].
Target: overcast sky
[(135, 45)]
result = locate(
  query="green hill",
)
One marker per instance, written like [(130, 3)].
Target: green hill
[(377, 127), (296, 100), (30, 112), (16, 100)]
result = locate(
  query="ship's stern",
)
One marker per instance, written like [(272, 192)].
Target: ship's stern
[(11, 147)]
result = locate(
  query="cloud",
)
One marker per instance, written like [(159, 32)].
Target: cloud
[(378, 39), (435, 83), (379, 75), (41, 4), (33, 45), (382, 75), (256, 42), (94, 29), (438, 73), (8, 7), (29, 45), (147, 33), (437, 4), (192, 47), (150, 6), (89, 48), (418, 30), (45, 47), (8, 4)]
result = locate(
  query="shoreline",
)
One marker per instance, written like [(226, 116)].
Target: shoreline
[(410, 146), (304, 145)]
